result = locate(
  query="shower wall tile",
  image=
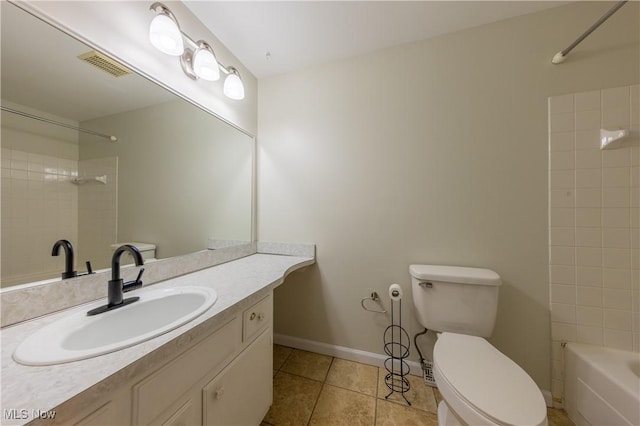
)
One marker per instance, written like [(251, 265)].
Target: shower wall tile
[(588, 237), (587, 120), (588, 217), (594, 221), (616, 278), (618, 339), (589, 296), (561, 104), (588, 178), (589, 316), (559, 217), (563, 122), (588, 159), (590, 335), (561, 179), (585, 101), (39, 207), (562, 236), (562, 160), (589, 276), (561, 274), (562, 141), (562, 255)]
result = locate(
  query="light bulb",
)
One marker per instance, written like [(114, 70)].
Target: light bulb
[(233, 87), (165, 35), (205, 64)]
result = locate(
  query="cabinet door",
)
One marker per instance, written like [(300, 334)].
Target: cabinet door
[(186, 415), (241, 394), (153, 396)]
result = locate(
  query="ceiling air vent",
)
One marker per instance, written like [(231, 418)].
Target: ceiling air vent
[(105, 63)]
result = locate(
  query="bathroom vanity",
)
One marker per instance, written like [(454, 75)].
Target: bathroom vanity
[(216, 369)]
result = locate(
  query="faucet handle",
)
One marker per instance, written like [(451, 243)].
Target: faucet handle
[(89, 269), (132, 285)]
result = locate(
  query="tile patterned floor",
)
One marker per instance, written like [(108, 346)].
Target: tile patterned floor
[(314, 389)]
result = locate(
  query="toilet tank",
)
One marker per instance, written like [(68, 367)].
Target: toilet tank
[(455, 299), (147, 250)]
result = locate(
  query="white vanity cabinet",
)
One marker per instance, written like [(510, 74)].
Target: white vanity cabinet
[(225, 379), (241, 394), (199, 387)]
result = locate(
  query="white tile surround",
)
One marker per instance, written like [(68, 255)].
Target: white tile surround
[(39, 206), (594, 223)]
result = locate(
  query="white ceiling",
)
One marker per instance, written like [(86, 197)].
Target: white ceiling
[(298, 34)]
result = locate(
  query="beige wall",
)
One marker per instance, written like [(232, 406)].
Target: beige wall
[(431, 152)]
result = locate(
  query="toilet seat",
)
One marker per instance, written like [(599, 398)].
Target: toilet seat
[(482, 385)]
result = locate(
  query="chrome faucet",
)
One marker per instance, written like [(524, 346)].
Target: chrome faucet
[(116, 287)]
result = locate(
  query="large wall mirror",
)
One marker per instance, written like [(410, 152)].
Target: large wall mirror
[(176, 177)]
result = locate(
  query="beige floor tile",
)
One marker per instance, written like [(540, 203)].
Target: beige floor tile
[(390, 414), (307, 364), (438, 395), (293, 400), (557, 417), (353, 376), (280, 355), (419, 395), (338, 406)]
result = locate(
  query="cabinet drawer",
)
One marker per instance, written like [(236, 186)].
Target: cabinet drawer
[(160, 390), (242, 393), (256, 318)]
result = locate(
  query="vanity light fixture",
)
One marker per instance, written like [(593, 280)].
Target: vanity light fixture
[(197, 59), (164, 31), (233, 87)]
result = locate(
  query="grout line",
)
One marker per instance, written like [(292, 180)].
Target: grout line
[(320, 393)]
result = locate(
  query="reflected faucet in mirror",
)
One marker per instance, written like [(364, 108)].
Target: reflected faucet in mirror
[(68, 253), (116, 287), (68, 262)]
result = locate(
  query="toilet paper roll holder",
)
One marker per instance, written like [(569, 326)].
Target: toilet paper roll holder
[(375, 298)]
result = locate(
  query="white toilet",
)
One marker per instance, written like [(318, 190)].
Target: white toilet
[(479, 385)]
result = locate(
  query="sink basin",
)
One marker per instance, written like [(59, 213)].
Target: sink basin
[(79, 336)]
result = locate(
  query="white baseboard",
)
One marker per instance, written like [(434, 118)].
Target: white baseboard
[(357, 355)]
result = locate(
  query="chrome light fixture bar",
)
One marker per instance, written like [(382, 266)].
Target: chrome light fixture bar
[(198, 60)]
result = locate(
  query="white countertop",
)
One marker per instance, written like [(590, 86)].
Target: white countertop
[(29, 388)]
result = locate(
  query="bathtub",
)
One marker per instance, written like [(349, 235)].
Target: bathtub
[(601, 385)]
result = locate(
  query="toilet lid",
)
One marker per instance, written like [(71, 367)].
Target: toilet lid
[(488, 380)]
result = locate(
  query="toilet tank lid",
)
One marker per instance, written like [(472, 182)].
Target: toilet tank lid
[(139, 246), (455, 274)]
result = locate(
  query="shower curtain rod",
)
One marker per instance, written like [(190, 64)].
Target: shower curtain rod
[(560, 56), (58, 123)]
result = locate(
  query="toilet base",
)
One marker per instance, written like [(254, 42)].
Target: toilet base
[(446, 416)]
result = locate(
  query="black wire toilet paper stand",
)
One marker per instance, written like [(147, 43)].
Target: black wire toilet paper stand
[(396, 346)]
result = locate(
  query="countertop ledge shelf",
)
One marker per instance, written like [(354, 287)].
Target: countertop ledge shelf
[(239, 283)]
